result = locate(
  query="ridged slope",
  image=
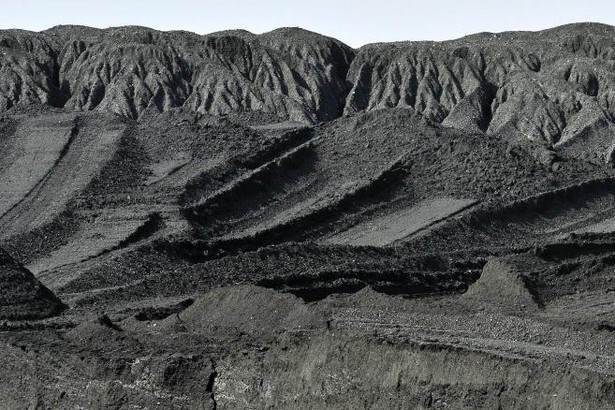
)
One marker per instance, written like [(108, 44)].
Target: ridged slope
[(288, 73), (554, 86)]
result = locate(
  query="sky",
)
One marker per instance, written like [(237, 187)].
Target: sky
[(354, 22)]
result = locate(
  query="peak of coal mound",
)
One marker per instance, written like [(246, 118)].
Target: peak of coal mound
[(502, 286), (22, 296)]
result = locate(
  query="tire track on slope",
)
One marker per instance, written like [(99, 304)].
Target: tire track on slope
[(81, 160), (45, 177)]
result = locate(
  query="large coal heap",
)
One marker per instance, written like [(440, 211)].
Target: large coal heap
[(281, 221)]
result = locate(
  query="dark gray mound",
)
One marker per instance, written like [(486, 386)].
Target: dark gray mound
[(22, 296), (502, 287), (279, 221)]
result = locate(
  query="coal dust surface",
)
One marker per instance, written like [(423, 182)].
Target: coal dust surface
[(280, 221)]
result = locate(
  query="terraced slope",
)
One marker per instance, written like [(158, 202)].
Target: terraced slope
[(413, 225)]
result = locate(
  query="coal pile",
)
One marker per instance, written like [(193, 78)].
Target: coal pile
[(278, 220), (23, 296)]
